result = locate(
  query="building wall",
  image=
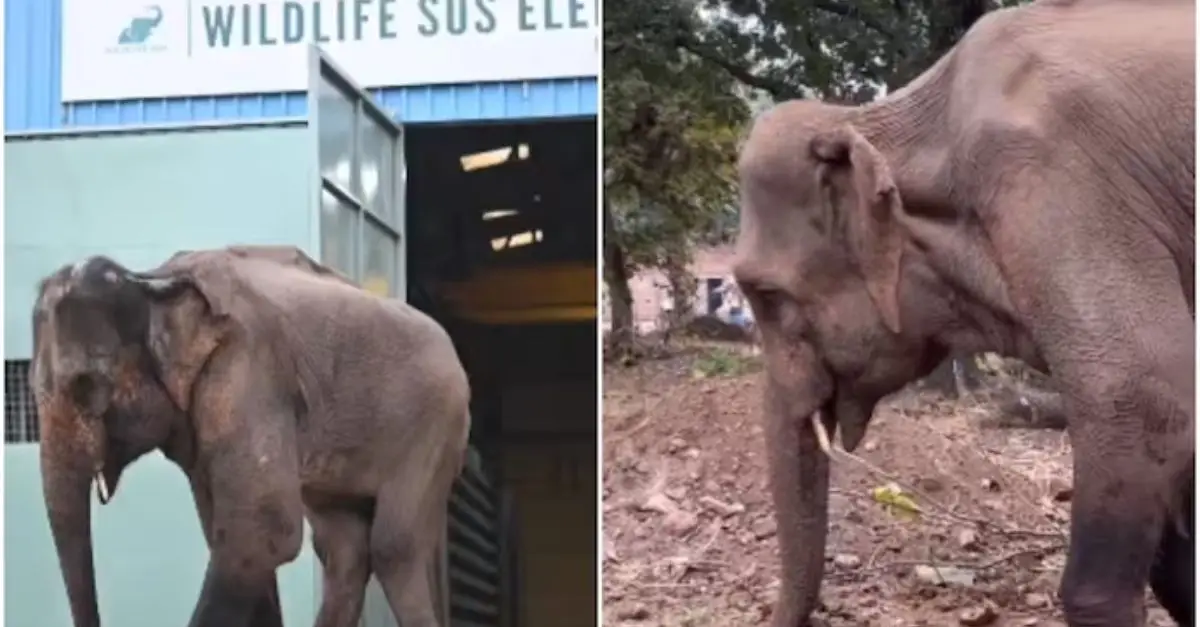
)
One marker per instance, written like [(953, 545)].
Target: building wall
[(650, 287), (150, 554), (141, 197), (33, 94)]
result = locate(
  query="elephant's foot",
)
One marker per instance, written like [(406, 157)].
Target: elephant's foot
[(227, 601), (1174, 573), (267, 612), (1100, 609)]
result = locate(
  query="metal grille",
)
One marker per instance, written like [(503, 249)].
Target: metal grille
[(478, 563), (20, 412)]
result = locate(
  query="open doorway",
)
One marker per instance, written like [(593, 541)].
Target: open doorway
[(501, 249)]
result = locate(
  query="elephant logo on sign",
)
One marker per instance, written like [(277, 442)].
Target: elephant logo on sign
[(140, 28)]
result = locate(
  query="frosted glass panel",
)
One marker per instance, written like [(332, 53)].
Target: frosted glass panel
[(375, 171), (335, 123), (379, 267), (338, 234)]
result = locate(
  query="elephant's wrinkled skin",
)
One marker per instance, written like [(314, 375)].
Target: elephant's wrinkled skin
[(284, 392), (1031, 194)]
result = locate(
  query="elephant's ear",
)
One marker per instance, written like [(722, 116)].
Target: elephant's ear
[(874, 230), (188, 320)]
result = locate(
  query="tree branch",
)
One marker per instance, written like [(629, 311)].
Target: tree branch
[(778, 89), (853, 12)]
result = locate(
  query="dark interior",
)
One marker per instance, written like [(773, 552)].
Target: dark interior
[(552, 190)]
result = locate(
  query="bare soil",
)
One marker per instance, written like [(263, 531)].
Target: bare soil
[(689, 532)]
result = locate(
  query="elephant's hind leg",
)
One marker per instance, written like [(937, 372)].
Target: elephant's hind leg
[(341, 537), (404, 537), (1173, 575)]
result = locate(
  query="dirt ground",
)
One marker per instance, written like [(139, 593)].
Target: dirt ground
[(689, 535)]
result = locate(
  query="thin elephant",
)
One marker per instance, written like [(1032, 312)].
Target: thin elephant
[(284, 392), (1030, 194)]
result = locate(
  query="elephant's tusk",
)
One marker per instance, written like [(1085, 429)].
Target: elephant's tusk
[(822, 435), (102, 489)]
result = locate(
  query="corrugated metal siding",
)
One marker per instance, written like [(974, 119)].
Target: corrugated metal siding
[(33, 94)]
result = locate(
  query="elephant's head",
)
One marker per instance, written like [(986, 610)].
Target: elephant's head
[(115, 355), (844, 314)]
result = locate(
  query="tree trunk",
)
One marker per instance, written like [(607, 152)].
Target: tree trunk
[(620, 297), (682, 286)]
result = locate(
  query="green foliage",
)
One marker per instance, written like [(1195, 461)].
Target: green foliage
[(843, 50), (719, 361), (671, 127)]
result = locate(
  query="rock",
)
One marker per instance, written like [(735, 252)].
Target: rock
[(991, 485), (944, 575), (968, 540), (676, 493), (978, 616), (846, 560), (659, 502), (723, 509), (636, 612), (680, 522), (764, 528), (1037, 600), (930, 484)]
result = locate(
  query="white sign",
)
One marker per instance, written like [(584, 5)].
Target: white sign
[(124, 49)]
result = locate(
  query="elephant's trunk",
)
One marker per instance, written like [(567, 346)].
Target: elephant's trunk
[(66, 481), (800, 486)]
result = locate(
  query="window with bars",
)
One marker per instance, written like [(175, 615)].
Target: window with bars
[(20, 412)]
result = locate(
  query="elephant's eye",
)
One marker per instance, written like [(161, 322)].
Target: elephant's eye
[(771, 299), (778, 308), (767, 301)]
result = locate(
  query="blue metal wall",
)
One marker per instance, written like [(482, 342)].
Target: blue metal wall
[(32, 91)]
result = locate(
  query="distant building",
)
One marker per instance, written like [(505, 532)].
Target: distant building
[(716, 293)]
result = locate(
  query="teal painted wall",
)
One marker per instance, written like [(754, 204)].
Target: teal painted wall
[(137, 198), (150, 555), (140, 198)]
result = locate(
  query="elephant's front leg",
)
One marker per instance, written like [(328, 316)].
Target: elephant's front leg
[(232, 595), (267, 612), (1115, 529), (1133, 447), (1173, 576)]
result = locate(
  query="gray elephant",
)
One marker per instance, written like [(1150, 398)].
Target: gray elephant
[(1030, 194), (284, 392)]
